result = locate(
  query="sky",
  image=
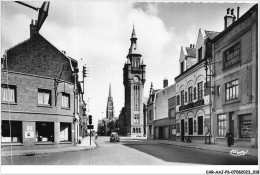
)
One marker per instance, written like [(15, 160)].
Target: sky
[(97, 34)]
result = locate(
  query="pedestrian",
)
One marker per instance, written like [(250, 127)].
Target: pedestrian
[(230, 138)]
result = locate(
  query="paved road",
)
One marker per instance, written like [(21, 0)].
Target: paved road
[(133, 152)]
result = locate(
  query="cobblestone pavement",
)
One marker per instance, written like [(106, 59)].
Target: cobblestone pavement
[(133, 152)]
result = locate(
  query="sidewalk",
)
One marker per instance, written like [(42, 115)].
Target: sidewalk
[(212, 147), (85, 144)]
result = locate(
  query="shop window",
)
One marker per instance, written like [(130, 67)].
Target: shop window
[(246, 126), (222, 124), (11, 131), (182, 97), (65, 100), (44, 97), (232, 90), (45, 131), (65, 132), (190, 126), (231, 56), (8, 93), (200, 125), (190, 94), (200, 90)]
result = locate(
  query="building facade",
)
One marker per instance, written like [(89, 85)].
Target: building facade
[(163, 123), (193, 114), (38, 105), (110, 106), (235, 80), (134, 79)]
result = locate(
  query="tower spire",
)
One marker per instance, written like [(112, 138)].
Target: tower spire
[(109, 94), (133, 48)]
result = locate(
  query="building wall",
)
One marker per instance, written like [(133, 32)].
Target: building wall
[(245, 33), (27, 109)]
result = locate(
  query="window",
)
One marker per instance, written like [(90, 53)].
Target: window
[(45, 131), (11, 131), (218, 90), (231, 56), (133, 130), (178, 100), (65, 100), (150, 114), (190, 94), (150, 129), (182, 97), (65, 132), (200, 54), (246, 129), (200, 90), (185, 97), (182, 67), (222, 124), (200, 125), (44, 97), (232, 90), (8, 93), (195, 91), (172, 113), (136, 118)]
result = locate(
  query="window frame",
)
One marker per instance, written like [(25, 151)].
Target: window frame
[(231, 92), (200, 90), (234, 51), (190, 90), (8, 87), (182, 97), (64, 94), (45, 91), (223, 126)]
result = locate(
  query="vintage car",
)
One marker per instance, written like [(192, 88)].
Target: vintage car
[(114, 137)]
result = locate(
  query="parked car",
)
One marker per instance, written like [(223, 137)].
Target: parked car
[(114, 137)]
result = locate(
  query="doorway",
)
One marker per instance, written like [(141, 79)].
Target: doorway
[(182, 130)]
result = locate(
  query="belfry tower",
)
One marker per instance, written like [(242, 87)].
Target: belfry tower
[(134, 79), (110, 106)]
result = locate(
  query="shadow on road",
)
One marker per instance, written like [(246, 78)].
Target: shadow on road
[(171, 153)]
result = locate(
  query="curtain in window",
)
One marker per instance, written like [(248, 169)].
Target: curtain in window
[(65, 101), (4, 94), (11, 95), (46, 98)]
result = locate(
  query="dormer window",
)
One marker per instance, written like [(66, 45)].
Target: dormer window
[(182, 67), (200, 54)]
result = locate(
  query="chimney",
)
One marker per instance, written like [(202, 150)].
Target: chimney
[(190, 45), (229, 18), (33, 28), (238, 12), (165, 83), (193, 45)]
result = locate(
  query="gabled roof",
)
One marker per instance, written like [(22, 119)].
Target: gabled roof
[(211, 34)]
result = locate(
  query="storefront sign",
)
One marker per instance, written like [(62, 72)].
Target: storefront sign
[(191, 105), (29, 134)]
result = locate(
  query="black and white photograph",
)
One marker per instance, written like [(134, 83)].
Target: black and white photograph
[(129, 87)]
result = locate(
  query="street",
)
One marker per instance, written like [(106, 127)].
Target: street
[(133, 152)]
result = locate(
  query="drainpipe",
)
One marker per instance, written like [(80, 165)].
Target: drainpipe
[(75, 112)]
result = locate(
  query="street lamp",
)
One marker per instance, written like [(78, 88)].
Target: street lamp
[(43, 12)]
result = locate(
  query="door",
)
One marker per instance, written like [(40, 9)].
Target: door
[(231, 122), (190, 126), (182, 130)]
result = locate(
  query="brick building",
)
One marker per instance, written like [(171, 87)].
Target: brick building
[(192, 96), (235, 80), (37, 100), (133, 80)]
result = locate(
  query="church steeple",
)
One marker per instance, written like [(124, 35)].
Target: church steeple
[(133, 48), (110, 105)]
